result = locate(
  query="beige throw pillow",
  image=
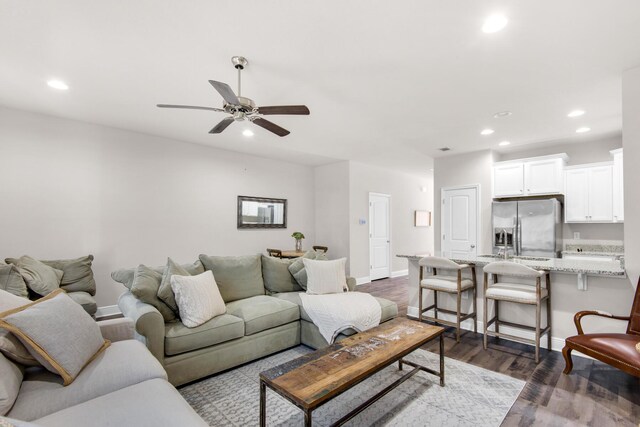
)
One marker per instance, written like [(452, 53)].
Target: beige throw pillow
[(326, 277), (41, 278), (57, 332), (198, 298)]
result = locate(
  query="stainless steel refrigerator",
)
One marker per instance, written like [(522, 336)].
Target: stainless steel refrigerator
[(529, 227)]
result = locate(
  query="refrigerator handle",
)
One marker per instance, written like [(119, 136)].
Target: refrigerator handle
[(519, 236)]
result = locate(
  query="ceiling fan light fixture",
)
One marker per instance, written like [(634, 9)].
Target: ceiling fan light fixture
[(248, 132), (576, 113), (486, 132), (494, 23)]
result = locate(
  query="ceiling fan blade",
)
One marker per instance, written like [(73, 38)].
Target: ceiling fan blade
[(285, 109), (271, 127), (222, 125), (226, 92), (190, 107)]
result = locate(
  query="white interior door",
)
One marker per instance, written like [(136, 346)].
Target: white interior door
[(460, 221), (379, 236)]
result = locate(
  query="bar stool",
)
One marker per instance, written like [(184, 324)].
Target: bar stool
[(455, 284), (502, 290)]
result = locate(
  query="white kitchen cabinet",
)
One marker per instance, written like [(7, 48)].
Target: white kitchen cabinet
[(588, 195), (529, 177), (508, 180), (618, 186)]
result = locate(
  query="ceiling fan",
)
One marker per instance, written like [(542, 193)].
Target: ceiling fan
[(242, 108)]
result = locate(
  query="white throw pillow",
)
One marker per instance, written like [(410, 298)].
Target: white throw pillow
[(326, 277), (198, 298)]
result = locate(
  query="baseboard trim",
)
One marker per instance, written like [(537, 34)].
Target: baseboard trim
[(363, 280), (110, 310), (556, 343), (399, 273)]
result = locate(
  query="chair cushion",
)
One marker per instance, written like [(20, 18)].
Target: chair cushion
[(618, 350), (85, 300), (122, 364), (263, 312), (445, 283), (149, 403), (180, 339), (389, 308), (514, 292)]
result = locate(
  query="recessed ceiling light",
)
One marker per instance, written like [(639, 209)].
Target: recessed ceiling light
[(494, 23), (487, 131), (504, 143), (247, 132), (576, 113), (57, 84), (583, 130), (501, 114)]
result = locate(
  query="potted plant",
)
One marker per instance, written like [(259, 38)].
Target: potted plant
[(298, 236)]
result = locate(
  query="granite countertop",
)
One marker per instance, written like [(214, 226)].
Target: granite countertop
[(559, 265), (594, 253), (594, 247)]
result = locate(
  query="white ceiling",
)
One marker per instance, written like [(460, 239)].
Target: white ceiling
[(387, 83)]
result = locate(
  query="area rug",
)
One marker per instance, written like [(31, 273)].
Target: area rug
[(472, 397)]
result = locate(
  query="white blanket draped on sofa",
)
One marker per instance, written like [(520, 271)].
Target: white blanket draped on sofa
[(333, 313)]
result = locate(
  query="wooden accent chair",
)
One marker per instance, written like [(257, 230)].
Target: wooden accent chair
[(320, 248), (455, 284), (504, 290), (617, 350), (276, 253)]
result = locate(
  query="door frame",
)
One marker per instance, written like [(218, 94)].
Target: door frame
[(475, 187), (388, 196)]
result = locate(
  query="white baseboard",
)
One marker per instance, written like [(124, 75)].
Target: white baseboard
[(556, 343), (363, 280), (110, 310), (399, 273)]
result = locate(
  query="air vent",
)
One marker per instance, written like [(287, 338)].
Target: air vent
[(444, 149)]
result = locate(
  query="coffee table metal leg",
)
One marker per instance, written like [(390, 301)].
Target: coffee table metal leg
[(442, 360), (263, 404), (307, 418), (400, 364)]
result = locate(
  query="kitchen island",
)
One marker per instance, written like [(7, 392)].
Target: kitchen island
[(608, 289)]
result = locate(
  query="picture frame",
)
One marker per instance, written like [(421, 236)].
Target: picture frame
[(422, 218), (261, 212)]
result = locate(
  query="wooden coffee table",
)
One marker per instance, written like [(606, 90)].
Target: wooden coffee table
[(312, 380)]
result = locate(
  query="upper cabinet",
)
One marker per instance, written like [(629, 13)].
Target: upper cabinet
[(618, 186), (588, 195), (529, 177)]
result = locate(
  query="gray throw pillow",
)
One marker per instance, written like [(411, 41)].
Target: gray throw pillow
[(40, 278), (126, 275), (10, 345), (11, 281), (146, 283), (10, 385), (276, 275), (77, 274), (57, 332), (297, 267), (238, 277), (165, 293)]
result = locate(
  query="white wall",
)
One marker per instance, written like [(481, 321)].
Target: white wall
[(631, 143), (332, 208), (406, 197), (465, 169), (71, 188)]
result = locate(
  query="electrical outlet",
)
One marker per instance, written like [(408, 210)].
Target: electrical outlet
[(576, 235)]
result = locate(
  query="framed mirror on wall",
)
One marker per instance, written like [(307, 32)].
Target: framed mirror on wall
[(261, 212)]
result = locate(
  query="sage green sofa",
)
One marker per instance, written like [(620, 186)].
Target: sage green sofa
[(107, 392), (264, 316)]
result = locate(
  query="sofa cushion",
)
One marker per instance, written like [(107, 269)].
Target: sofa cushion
[(126, 275), (146, 283), (263, 312), (237, 277), (57, 332), (276, 275), (123, 364), (297, 266), (165, 293), (389, 308), (180, 339), (77, 274), (150, 403), (85, 300), (11, 281), (10, 385), (40, 278)]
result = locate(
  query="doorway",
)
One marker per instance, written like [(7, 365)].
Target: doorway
[(379, 236), (460, 220)]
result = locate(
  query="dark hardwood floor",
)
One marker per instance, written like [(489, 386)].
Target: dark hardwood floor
[(594, 394)]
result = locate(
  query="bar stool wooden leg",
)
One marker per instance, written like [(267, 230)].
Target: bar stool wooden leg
[(475, 300), (549, 311), (458, 309), (435, 304), (538, 331), (420, 304)]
